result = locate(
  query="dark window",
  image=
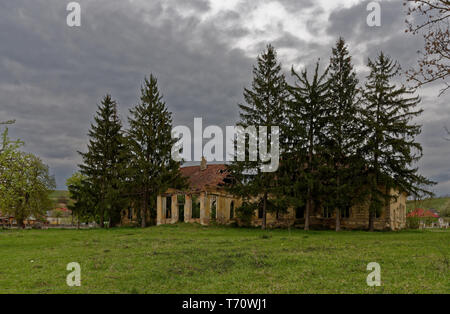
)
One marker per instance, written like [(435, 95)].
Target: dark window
[(168, 207), (327, 212), (213, 209), (195, 207), (130, 213), (378, 213), (232, 210), (260, 211), (345, 213), (300, 212)]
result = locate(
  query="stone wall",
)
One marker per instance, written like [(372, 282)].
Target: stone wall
[(393, 217)]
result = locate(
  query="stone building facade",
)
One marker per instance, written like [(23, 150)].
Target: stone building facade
[(207, 200)]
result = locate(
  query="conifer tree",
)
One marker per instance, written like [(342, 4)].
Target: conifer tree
[(265, 104), (104, 163), (152, 169), (307, 119), (391, 149), (343, 134), (83, 194)]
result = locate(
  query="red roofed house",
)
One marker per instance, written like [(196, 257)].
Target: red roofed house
[(420, 212)]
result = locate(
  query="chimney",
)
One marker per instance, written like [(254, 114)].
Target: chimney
[(203, 165)]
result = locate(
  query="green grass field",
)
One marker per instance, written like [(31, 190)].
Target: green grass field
[(187, 258)]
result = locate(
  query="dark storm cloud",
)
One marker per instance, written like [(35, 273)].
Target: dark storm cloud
[(367, 42), (52, 76)]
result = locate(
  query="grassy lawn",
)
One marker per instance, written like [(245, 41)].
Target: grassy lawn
[(194, 259)]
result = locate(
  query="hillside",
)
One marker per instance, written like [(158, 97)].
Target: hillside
[(61, 198), (441, 204)]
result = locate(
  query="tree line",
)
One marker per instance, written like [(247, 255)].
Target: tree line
[(126, 168), (341, 141)]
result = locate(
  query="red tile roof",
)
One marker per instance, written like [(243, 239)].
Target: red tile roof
[(213, 176), (420, 212)]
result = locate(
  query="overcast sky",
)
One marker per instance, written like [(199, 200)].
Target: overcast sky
[(52, 76)]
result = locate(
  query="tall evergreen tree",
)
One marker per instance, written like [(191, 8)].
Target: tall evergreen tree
[(344, 138), (152, 170), (104, 163), (264, 106), (307, 119), (391, 149)]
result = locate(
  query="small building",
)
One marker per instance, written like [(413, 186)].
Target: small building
[(207, 200)]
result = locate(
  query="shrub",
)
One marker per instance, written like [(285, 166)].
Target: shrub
[(412, 222), (245, 213)]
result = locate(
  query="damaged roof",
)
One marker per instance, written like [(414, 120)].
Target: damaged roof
[(213, 176)]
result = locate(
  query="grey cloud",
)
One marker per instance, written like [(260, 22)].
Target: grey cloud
[(52, 76)]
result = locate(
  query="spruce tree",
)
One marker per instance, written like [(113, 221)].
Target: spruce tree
[(391, 149), (344, 139), (264, 106), (307, 119), (104, 163), (152, 170)]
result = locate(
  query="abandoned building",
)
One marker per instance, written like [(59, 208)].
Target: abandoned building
[(207, 200)]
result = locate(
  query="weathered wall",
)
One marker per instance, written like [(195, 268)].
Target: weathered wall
[(393, 217)]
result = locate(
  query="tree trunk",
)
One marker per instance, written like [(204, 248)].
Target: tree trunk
[(263, 225), (144, 210), (371, 219), (20, 224), (19, 220), (309, 194), (338, 219), (102, 217), (308, 209), (337, 211)]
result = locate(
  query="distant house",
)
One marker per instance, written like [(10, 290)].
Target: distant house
[(10, 220), (207, 200), (420, 212), (59, 215)]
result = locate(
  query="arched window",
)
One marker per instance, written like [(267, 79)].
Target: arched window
[(169, 207), (130, 213), (213, 211), (232, 210)]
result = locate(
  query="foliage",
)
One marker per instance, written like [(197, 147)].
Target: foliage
[(246, 212), (25, 183), (149, 142), (431, 18), (342, 167), (104, 164), (307, 117), (84, 207), (265, 104), (391, 149)]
